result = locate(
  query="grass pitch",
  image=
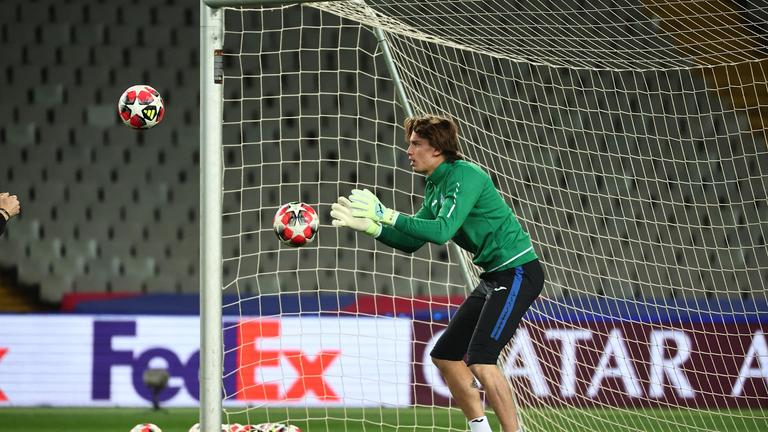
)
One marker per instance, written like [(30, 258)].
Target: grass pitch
[(387, 420)]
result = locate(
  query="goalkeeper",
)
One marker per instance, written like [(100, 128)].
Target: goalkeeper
[(461, 204)]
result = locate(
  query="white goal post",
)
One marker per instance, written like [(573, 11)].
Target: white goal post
[(628, 136)]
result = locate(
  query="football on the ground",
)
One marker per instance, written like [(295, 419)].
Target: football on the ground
[(275, 427), (146, 427)]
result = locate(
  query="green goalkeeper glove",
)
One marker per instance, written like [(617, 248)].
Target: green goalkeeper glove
[(366, 205), (342, 217)]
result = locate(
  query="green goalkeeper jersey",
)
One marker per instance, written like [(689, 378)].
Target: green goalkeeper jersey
[(462, 204)]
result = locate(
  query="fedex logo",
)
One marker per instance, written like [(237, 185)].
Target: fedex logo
[(263, 362), (302, 361), (252, 357), (106, 357)]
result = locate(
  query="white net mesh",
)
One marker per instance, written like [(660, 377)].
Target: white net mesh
[(629, 139)]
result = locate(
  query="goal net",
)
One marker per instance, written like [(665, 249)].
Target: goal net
[(628, 137)]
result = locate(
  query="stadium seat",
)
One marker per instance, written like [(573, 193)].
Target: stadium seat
[(58, 135), (53, 287), (93, 77), (70, 55), (88, 193), (126, 283), (56, 34), (42, 55), (65, 171), (101, 211), (161, 284), (157, 249), (68, 267), (121, 247), (103, 266), (85, 248), (15, 53), (31, 269), (101, 115), (21, 134), (108, 55), (142, 267), (123, 36), (33, 114), (13, 247), (156, 36), (189, 284), (90, 283), (22, 33), (71, 116)]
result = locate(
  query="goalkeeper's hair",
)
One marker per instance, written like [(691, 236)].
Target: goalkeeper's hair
[(441, 132)]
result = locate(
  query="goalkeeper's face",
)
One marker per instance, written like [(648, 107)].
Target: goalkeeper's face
[(423, 157)]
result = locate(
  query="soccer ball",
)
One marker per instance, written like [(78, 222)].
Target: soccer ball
[(141, 107), (234, 427), (275, 427), (296, 224), (146, 427)]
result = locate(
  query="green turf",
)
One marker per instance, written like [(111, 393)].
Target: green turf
[(387, 420)]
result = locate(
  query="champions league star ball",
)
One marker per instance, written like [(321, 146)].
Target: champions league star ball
[(275, 427), (234, 427), (263, 427), (146, 427), (296, 224), (141, 107)]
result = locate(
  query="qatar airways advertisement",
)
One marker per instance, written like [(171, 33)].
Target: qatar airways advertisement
[(101, 360), (621, 364)]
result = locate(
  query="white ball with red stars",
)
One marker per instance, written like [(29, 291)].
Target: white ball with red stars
[(296, 223), (141, 107), (275, 427), (146, 427)]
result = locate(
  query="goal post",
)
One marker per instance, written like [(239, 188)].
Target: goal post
[(631, 149), (211, 339)]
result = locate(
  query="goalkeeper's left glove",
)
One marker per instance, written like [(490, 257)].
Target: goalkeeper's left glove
[(342, 217), (365, 204)]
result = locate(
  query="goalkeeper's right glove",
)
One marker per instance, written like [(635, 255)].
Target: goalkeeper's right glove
[(342, 217)]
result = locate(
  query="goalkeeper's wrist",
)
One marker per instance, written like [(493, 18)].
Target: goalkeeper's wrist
[(374, 229), (390, 217)]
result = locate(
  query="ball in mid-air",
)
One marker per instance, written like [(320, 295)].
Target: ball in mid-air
[(296, 223), (141, 107)]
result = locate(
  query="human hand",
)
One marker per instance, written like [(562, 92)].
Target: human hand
[(364, 204), (342, 217), (9, 205)]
